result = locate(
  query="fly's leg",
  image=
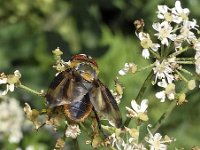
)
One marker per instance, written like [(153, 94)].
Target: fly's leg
[(98, 122)]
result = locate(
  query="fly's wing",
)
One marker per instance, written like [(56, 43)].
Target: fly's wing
[(104, 102), (66, 87)]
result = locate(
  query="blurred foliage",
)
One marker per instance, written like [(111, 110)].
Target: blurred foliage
[(30, 30)]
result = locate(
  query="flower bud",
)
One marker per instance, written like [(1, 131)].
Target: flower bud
[(191, 85)]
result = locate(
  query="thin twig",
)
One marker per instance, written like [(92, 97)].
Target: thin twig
[(185, 62), (30, 90), (178, 52), (181, 76), (163, 117), (146, 67)]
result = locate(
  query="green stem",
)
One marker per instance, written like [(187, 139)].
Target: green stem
[(30, 90), (164, 116), (195, 77), (146, 83), (162, 51), (181, 76), (146, 67), (178, 52), (185, 59), (186, 71), (156, 55), (167, 50), (185, 62), (76, 145), (83, 127)]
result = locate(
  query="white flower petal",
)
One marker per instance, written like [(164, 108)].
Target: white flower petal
[(171, 96), (141, 36), (160, 16), (178, 6), (161, 95), (156, 26), (17, 73), (155, 46), (11, 87), (162, 8), (165, 41), (186, 11), (122, 72), (162, 83), (157, 137), (145, 53), (172, 37), (135, 106), (144, 105), (177, 19), (3, 81)]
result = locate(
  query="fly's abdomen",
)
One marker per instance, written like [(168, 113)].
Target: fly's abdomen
[(79, 110)]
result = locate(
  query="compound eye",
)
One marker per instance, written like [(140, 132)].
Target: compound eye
[(79, 57), (84, 58)]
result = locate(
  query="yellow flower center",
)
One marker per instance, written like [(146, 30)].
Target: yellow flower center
[(146, 43), (164, 33), (168, 16)]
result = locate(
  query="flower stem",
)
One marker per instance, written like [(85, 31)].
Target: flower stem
[(186, 71), (146, 83), (185, 62), (141, 93), (31, 90), (162, 51), (156, 55), (164, 116), (185, 59), (178, 52), (181, 76), (76, 145), (146, 67), (83, 127)]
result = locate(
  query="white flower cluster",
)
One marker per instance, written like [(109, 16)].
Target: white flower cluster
[(175, 25), (147, 44), (176, 33), (72, 131), (9, 81), (156, 141), (121, 144), (128, 67), (11, 119), (164, 78)]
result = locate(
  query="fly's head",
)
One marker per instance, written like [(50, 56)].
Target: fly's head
[(85, 65)]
